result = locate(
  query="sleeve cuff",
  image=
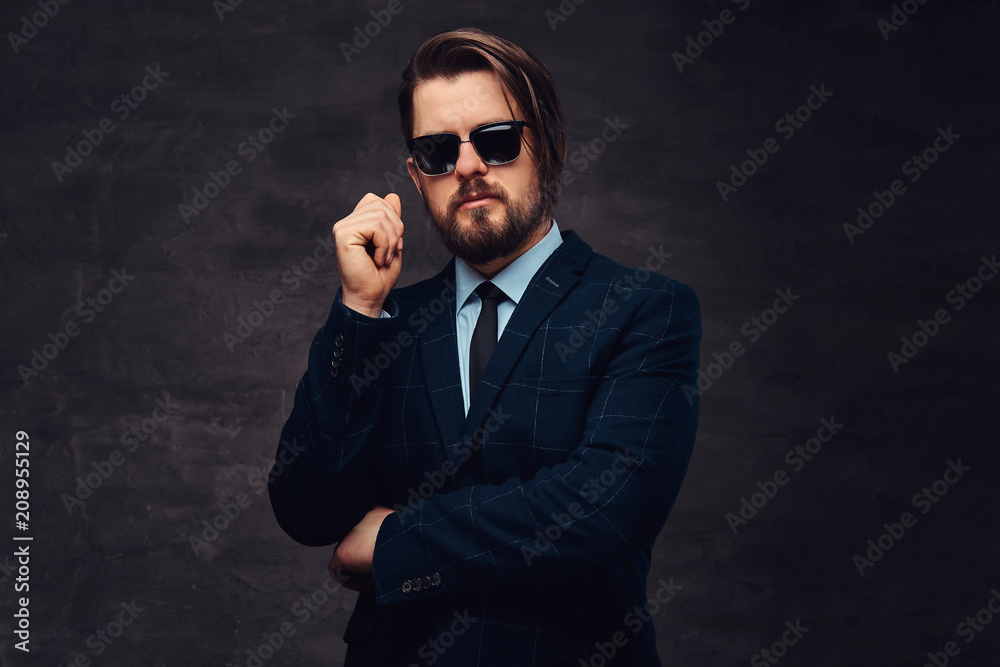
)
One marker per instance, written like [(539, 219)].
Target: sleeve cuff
[(401, 572), (350, 341)]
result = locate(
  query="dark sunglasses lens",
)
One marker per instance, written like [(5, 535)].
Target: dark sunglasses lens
[(436, 153), (498, 144)]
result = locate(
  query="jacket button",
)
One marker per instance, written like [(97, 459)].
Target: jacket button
[(435, 579), (406, 586), (338, 339), (338, 352)]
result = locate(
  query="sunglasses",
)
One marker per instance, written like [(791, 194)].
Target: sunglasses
[(495, 143)]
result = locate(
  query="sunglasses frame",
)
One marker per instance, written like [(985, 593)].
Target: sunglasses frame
[(519, 125)]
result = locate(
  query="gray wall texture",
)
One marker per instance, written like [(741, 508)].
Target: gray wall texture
[(168, 168)]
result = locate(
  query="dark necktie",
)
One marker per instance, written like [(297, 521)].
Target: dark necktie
[(484, 336)]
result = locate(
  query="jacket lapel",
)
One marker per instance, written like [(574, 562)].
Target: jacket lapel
[(439, 358), (439, 342), (553, 280)]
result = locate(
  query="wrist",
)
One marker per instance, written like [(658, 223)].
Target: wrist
[(369, 310)]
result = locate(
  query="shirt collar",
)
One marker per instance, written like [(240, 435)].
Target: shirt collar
[(513, 279)]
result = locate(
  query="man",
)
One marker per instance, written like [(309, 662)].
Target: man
[(494, 507)]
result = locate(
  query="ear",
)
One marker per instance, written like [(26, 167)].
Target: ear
[(414, 174)]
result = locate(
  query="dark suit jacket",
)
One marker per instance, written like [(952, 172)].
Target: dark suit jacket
[(523, 532)]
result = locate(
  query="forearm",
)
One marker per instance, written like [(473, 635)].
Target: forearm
[(319, 485), (597, 508)]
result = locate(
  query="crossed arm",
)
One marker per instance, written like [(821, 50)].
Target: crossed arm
[(639, 408)]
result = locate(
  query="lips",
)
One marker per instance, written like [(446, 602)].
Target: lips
[(474, 196), (476, 199)]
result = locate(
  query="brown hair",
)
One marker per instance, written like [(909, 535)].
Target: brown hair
[(464, 50)]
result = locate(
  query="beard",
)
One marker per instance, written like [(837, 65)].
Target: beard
[(482, 240)]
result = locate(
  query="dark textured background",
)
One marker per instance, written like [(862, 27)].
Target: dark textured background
[(162, 337)]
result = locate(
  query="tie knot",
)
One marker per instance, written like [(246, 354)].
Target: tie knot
[(487, 291)]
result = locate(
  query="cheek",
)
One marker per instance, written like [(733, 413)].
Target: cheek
[(526, 173), (520, 185), (438, 195)]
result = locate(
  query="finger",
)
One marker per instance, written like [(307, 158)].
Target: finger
[(335, 561), (390, 226), (385, 240), (337, 571), (392, 207), (366, 200), (351, 580), (358, 583), (374, 228), (392, 199), (374, 211)]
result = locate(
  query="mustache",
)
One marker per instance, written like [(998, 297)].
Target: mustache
[(476, 187)]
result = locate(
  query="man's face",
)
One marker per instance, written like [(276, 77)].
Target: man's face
[(508, 208)]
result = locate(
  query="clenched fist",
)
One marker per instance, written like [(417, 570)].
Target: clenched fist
[(369, 242)]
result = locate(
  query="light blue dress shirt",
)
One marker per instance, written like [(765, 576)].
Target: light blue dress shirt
[(513, 279)]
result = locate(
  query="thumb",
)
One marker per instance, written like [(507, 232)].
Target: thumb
[(393, 200)]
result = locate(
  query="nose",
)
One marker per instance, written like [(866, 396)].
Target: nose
[(469, 164)]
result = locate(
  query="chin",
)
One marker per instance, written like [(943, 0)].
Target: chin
[(484, 212)]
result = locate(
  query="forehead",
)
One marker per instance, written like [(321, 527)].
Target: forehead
[(460, 104)]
